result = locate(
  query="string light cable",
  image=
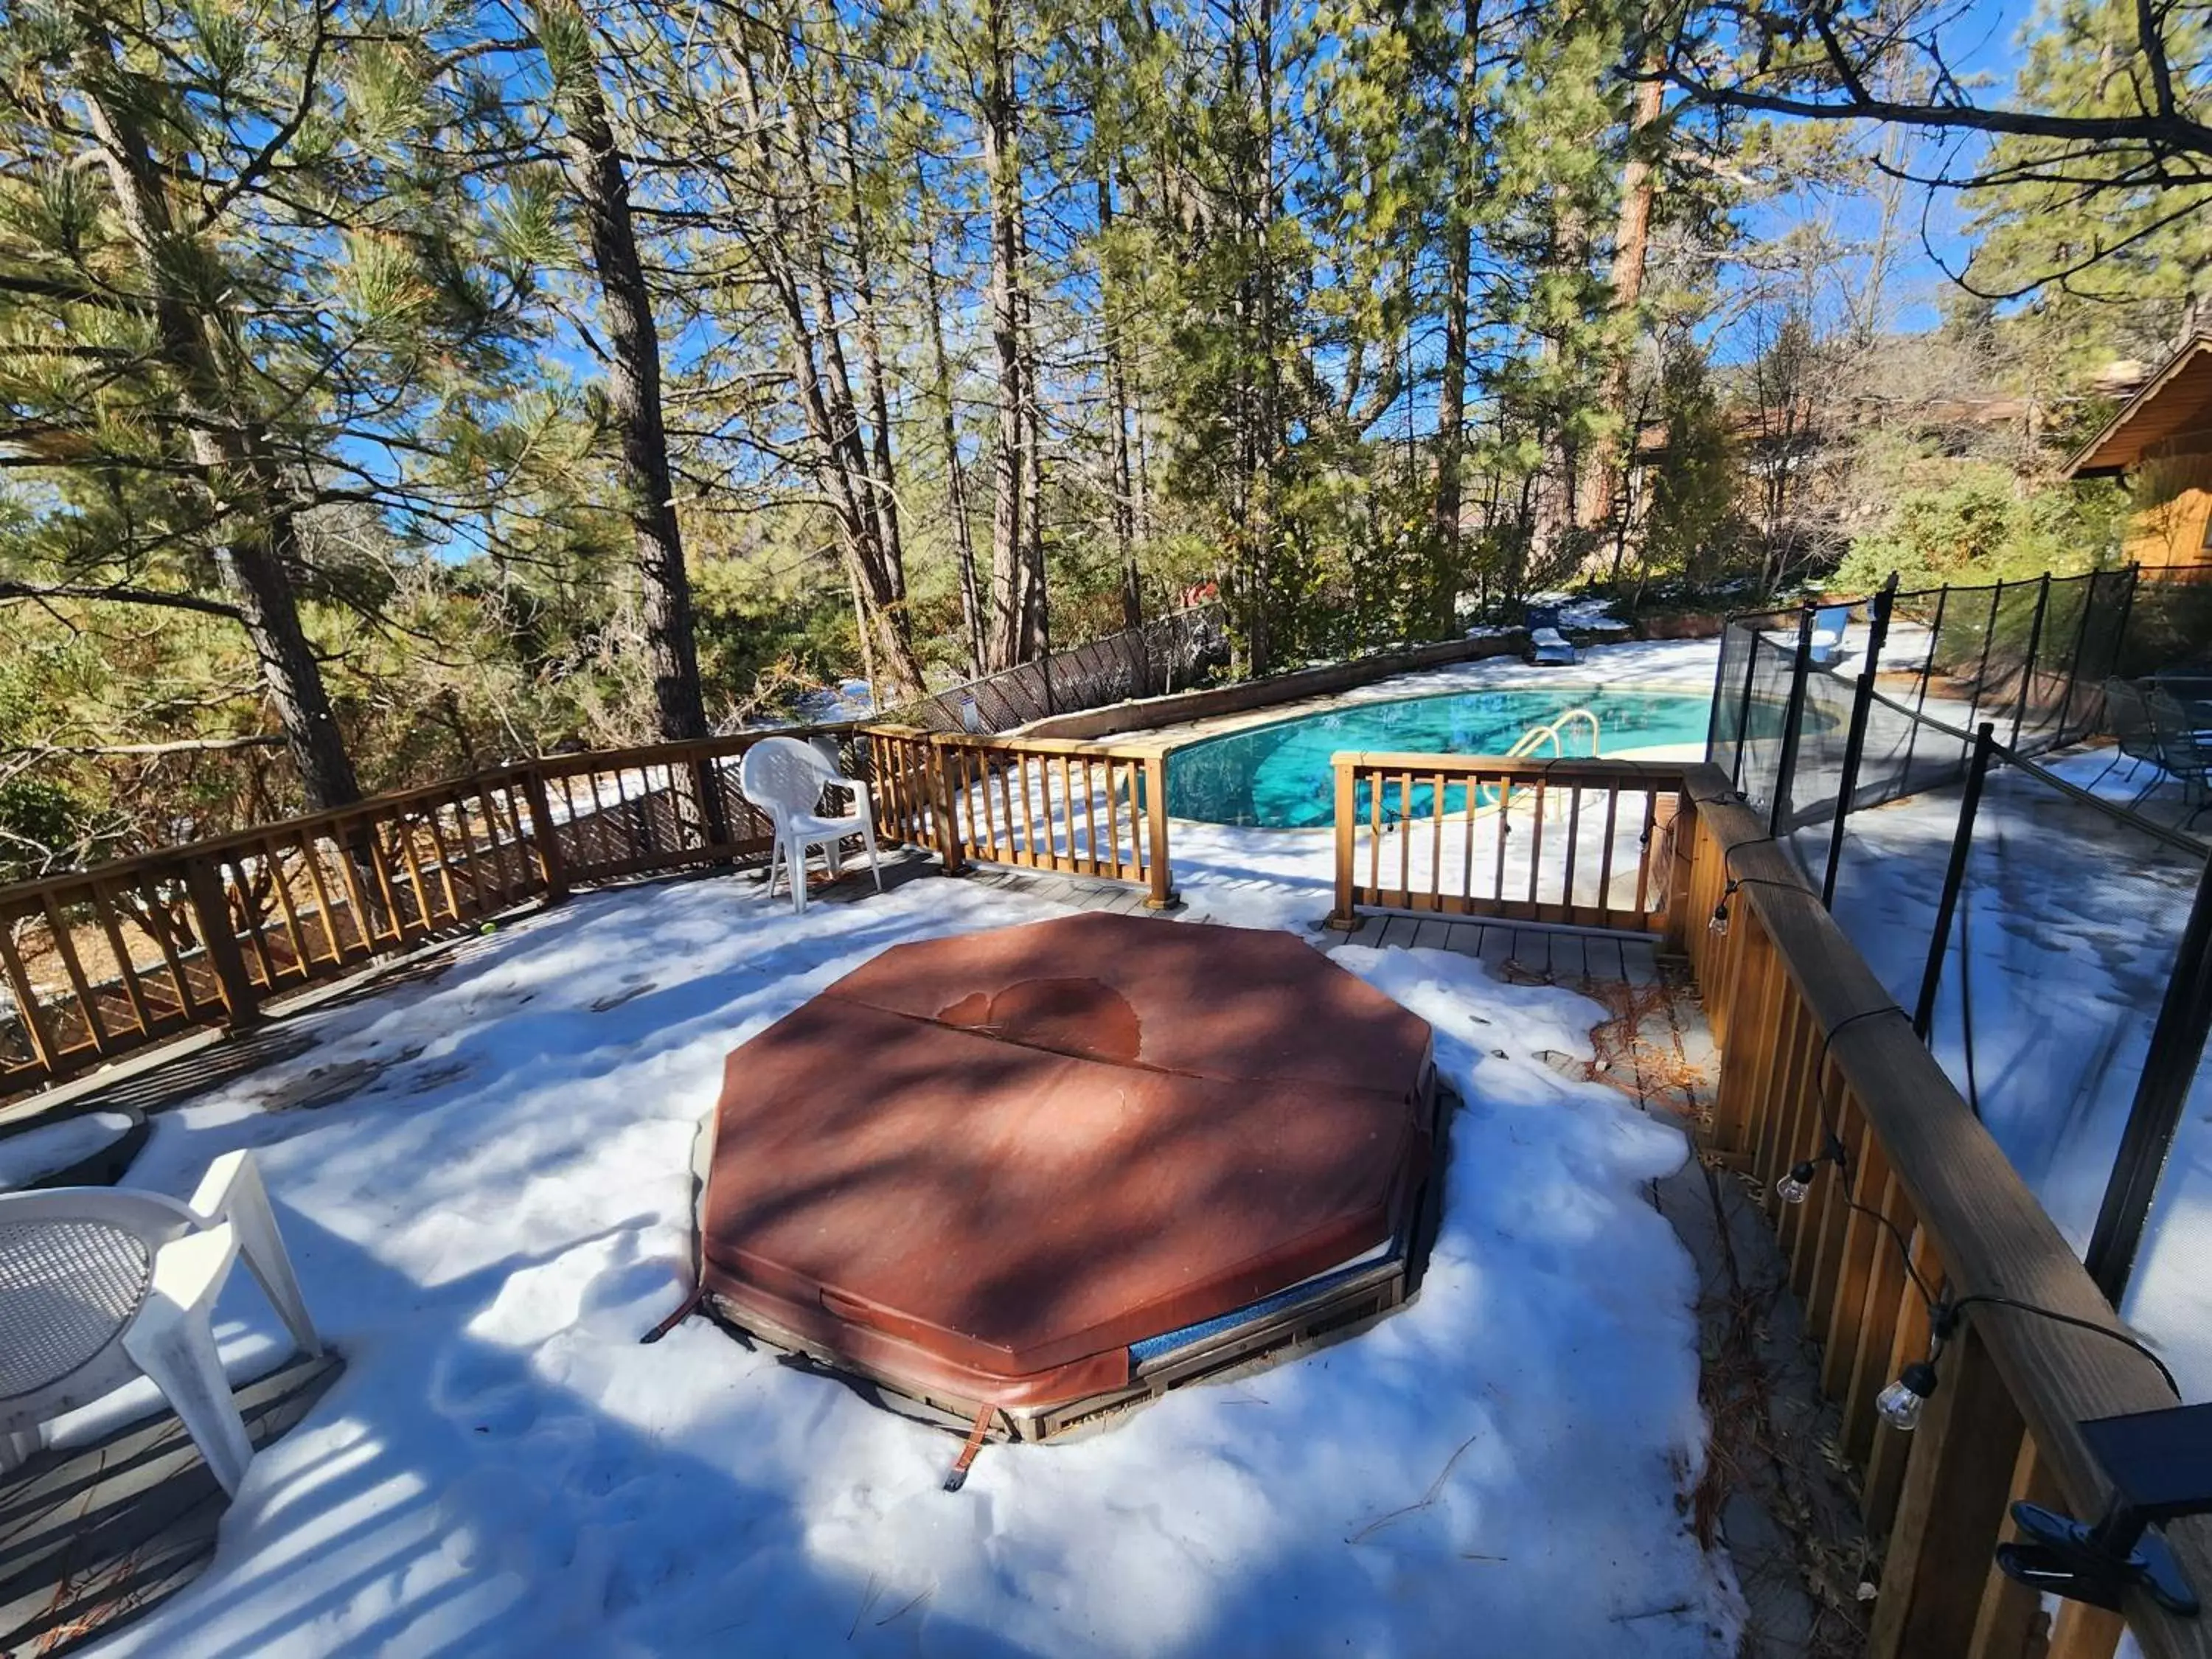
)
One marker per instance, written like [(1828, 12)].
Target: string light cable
[(1719, 923), (1901, 1402)]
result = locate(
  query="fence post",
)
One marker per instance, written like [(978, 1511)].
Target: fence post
[(1854, 741), (1927, 673), (211, 916), (1743, 705), (1989, 640), (2027, 665), (1720, 690), (547, 845), (1935, 639), (2176, 1044), (1954, 875), (2127, 614), (1793, 717), (1345, 916), (2074, 662), (944, 806), (1162, 895)]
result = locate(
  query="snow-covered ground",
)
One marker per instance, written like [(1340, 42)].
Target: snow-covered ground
[(36, 1153), (2070, 929), (485, 1228)]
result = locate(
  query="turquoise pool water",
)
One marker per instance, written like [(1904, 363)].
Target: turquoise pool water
[(1278, 776)]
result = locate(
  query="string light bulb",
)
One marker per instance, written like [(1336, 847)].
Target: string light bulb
[(1901, 1403), (1719, 924), (1797, 1186)]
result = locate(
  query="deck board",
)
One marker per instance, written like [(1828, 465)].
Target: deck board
[(92, 1537), (1464, 936), (1532, 950)]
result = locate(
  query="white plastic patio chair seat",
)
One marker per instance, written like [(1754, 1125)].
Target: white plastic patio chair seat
[(98, 1287), (785, 779)]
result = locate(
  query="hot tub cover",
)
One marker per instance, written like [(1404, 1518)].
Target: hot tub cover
[(981, 1167)]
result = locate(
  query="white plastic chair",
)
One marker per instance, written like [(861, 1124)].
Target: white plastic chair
[(785, 778), (99, 1285)]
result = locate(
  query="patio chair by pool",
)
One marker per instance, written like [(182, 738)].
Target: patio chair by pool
[(2182, 752), (98, 1286), (2127, 717), (785, 778), (1827, 643), (1545, 643)]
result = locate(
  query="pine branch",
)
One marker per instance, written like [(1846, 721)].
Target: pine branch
[(120, 595)]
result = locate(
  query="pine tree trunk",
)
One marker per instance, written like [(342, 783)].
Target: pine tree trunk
[(792, 250), (1037, 611), (955, 473), (257, 556), (1002, 166), (1269, 405), (595, 174), (1117, 395), (885, 476), (1451, 400), (1631, 245)]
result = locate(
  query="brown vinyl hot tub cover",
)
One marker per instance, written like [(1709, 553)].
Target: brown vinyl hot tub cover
[(981, 1167)]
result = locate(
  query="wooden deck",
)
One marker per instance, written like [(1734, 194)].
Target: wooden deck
[(92, 1536), (1769, 1491)]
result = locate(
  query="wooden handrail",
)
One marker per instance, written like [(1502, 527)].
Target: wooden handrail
[(240, 917), (1813, 1045), (1596, 866), (1590, 768)]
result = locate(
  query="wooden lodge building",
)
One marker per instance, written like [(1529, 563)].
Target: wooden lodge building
[(2161, 443)]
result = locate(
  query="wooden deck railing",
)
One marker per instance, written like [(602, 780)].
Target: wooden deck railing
[(1083, 809), (1815, 1055), (1922, 1203), (100, 963), (1583, 843)]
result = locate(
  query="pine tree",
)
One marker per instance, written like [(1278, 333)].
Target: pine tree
[(261, 303)]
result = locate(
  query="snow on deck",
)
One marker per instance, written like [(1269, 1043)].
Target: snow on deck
[(2070, 925), (486, 1227)]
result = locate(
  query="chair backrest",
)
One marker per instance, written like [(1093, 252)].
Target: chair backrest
[(1539, 617), (75, 1263), (2129, 720), (1829, 621), (782, 774), (2179, 752)]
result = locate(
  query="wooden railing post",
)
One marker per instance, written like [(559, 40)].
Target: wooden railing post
[(1345, 916), (1673, 938), (944, 806), (550, 869), (212, 917), (42, 1051), (707, 781), (1964, 1454), (1162, 895)]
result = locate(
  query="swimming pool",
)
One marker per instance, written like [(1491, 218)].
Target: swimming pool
[(1278, 776)]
